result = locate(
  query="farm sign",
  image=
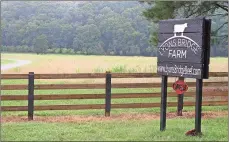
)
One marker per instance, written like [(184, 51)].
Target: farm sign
[(184, 48), (184, 52)]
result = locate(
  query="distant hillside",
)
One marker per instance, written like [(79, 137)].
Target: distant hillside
[(99, 27), (89, 27)]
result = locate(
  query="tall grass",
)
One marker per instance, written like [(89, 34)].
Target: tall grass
[(125, 69), (119, 69), (98, 70), (17, 69), (77, 70)]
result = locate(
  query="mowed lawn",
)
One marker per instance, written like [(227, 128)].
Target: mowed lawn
[(124, 130)]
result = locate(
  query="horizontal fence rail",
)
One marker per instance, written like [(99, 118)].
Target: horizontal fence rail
[(96, 75), (107, 96), (113, 106), (102, 96), (102, 86)]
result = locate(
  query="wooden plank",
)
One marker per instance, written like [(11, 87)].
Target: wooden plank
[(218, 74), (96, 75), (80, 86), (69, 96), (68, 86), (114, 75), (158, 85), (54, 86), (134, 75), (14, 87), (163, 105), (54, 107), (180, 100), (14, 76), (208, 103), (70, 76), (135, 85), (102, 106), (31, 96), (135, 95), (205, 94), (70, 107), (171, 94), (215, 84), (198, 104), (102, 86), (135, 105), (13, 97), (54, 97), (102, 96), (79, 75), (54, 76), (108, 94), (14, 108), (169, 104)]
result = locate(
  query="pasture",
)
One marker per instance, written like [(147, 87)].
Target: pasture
[(6, 61), (95, 64), (68, 128)]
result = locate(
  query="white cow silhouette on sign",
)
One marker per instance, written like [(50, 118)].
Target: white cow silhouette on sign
[(179, 28)]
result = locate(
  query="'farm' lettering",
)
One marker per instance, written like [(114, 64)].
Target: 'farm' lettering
[(177, 54)]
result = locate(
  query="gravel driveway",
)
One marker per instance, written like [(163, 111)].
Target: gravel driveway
[(17, 63)]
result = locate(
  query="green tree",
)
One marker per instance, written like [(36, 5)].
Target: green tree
[(87, 39), (41, 44), (117, 27), (187, 9), (98, 27)]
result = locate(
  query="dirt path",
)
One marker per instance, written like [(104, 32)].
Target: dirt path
[(121, 117), (17, 63)]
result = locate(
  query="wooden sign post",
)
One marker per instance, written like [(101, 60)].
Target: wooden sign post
[(184, 52)]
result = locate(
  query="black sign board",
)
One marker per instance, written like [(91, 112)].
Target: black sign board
[(184, 52), (183, 48)]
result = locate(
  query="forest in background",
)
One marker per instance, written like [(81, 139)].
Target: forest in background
[(90, 28)]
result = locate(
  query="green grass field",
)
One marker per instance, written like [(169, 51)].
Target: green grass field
[(127, 130), (213, 129), (80, 63), (6, 61)]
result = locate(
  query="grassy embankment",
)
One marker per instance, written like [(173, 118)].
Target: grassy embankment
[(213, 129)]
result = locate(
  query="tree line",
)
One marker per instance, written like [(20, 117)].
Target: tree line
[(90, 28), (112, 28)]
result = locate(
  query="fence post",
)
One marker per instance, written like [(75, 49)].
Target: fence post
[(30, 95), (199, 86), (180, 104), (180, 100), (108, 94), (164, 82)]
